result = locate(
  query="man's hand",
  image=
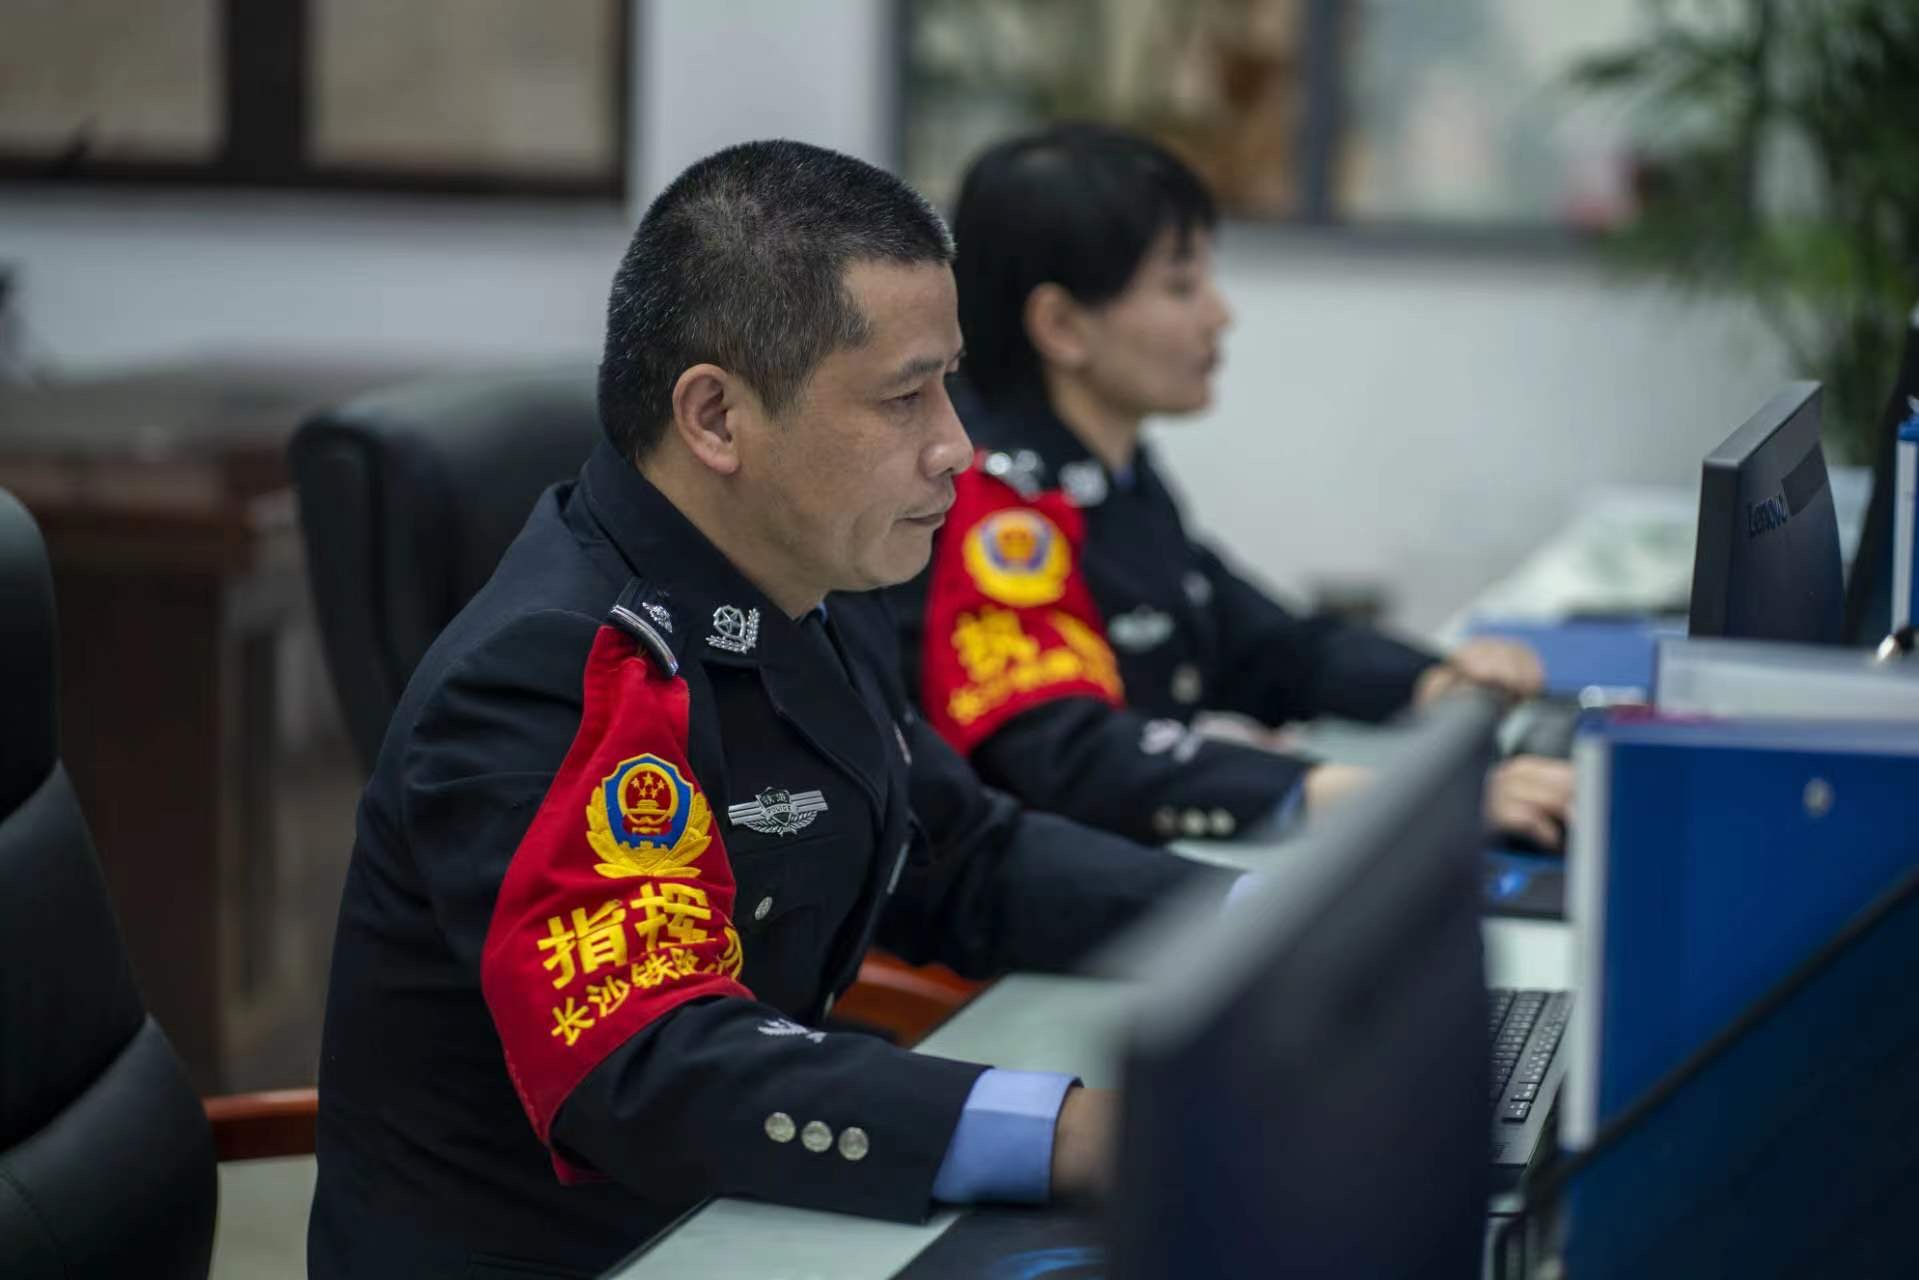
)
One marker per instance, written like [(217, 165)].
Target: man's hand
[(1505, 666), (1085, 1143), (1329, 783), (1532, 797)]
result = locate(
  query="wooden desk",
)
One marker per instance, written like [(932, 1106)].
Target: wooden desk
[(195, 719)]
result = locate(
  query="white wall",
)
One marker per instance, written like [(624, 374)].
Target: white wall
[(1410, 417), (1426, 422), (715, 72)]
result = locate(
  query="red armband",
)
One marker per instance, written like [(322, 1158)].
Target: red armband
[(617, 906), (1010, 623)]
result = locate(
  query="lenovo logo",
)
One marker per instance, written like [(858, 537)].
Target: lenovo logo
[(1767, 515)]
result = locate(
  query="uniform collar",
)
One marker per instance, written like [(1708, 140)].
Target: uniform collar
[(1034, 443), (709, 609), (718, 618)]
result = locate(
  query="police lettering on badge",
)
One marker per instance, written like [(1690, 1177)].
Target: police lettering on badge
[(777, 811)]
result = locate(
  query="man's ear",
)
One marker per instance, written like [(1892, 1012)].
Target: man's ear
[(1056, 326), (707, 404)]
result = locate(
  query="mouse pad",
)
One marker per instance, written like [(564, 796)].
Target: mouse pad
[(1531, 886), (1014, 1244)]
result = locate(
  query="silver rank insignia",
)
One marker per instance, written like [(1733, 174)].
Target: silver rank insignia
[(777, 812), (733, 630), (1139, 630), (1020, 471), (787, 1027), (1162, 736), (661, 618), (1084, 482)]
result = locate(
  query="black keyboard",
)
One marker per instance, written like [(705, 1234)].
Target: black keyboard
[(1527, 1030)]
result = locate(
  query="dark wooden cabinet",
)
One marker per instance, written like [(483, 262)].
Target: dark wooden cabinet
[(195, 717)]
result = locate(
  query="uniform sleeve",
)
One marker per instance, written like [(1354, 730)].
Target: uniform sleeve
[(995, 887), (603, 948), (1009, 622), (1009, 654), (1147, 780), (1278, 667)]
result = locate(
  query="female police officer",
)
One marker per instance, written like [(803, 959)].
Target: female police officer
[(1069, 628)]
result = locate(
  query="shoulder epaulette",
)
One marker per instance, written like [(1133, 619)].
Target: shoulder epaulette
[(645, 620)]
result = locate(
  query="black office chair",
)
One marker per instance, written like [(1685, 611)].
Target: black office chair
[(106, 1155), (106, 1161), (408, 499)]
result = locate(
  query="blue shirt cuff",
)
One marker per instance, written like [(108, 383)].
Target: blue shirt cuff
[(1281, 819), (1246, 884), (1002, 1149)]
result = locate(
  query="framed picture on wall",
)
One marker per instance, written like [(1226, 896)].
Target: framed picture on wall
[(1400, 113), (512, 97), (1224, 81)]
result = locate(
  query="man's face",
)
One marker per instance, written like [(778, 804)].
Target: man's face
[(856, 474), (1153, 349)]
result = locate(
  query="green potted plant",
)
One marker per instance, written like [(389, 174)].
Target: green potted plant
[(1780, 162)]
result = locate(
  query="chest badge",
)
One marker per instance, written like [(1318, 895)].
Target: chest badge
[(1018, 557), (778, 812), (735, 630), (647, 819), (1140, 630), (1084, 482)]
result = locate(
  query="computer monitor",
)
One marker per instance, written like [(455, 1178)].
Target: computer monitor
[(1306, 1088), (1767, 564), (1869, 586)]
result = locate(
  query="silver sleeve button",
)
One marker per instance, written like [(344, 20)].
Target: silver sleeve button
[(816, 1137), (853, 1143), (779, 1127)]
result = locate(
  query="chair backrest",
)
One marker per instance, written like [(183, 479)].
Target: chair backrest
[(106, 1161), (408, 498)]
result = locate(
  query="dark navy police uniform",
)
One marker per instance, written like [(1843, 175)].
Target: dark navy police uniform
[(1045, 545), (609, 875)]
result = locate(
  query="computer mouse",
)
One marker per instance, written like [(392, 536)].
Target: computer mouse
[(1543, 727)]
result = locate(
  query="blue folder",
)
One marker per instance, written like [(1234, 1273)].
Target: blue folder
[(1722, 859), (1725, 854), (1581, 654)]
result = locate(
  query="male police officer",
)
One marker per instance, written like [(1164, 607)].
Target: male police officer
[(649, 798)]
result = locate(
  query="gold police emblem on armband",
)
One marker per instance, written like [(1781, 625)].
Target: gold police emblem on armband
[(646, 819), (1018, 557)]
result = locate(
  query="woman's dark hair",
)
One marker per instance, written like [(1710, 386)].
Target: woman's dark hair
[(1075, 205)]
